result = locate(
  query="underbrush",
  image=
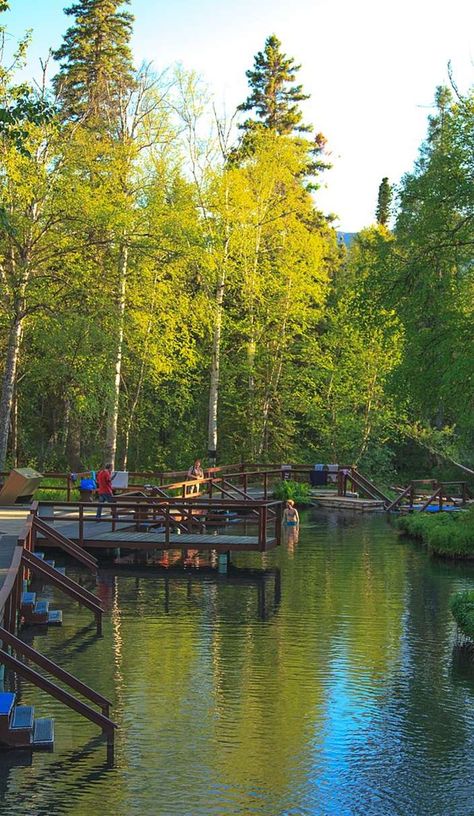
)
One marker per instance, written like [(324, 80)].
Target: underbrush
[(462, 608), (447, 534), (298, 491)]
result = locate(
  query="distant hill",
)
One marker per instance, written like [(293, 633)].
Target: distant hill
[(346, 237)]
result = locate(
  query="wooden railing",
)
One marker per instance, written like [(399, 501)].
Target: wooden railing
[(66, 585), (39, 525), (106, 724), (168, 512), (23, 558), (21, 648), (10, 593), (173, 479), (440, 492)]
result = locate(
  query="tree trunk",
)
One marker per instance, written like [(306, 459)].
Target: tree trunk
[(215, 366), (113, 414), (73, 443), (141, 377), (14, 427), (9, 377)]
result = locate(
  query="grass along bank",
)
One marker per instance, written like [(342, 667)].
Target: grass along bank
[(462, 608), (447, 534)]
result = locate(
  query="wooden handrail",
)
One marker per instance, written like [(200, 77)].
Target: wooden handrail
[(437, 493), (11, 576), (20, 647), (367, 485), (396, 501), (64, 543), (67, 585), (107, 725)]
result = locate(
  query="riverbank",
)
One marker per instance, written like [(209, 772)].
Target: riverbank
[(462, 608), (450, 535)]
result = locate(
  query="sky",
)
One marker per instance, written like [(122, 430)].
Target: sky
[(371, 67)]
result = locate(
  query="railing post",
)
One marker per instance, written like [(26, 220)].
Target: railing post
[(245, 478), (81, 525), (440, 498), (32, 547), (167, 528), (265, 484), (264, 529), (412, 495), (278, 523)]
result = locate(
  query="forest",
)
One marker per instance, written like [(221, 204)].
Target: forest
[(170, 288)]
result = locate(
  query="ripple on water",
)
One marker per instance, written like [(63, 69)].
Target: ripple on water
[(344, 700)]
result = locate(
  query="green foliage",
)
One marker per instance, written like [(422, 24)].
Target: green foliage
[(273, 98), (384, 200), (275, 104), (462, 608), (447, 534), (96, 68), (288, 489), (361, 357)]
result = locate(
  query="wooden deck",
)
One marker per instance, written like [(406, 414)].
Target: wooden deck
[(7, 548), (130, 539), (348, 503)]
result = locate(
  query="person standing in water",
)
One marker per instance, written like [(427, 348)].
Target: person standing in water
[(290, 515)]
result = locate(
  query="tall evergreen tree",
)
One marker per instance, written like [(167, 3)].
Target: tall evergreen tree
[(275, 103), (384, 201), (96, 67), (273, 98)]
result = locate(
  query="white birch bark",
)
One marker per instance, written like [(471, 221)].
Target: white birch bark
[(113, 413)]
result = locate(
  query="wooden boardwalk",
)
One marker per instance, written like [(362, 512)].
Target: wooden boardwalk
[(7, 548), (129, 538), (348, 503)]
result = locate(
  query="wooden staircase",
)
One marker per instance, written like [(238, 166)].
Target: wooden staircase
[(20, 729), (35, 611)]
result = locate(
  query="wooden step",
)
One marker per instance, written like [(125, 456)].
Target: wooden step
[(39, 554), (28, 600), (55, 617), (7, 701), (22, 717), (50, 563), (39, 613), (21, 727), (62, 570), (19, 737), (43, 733)]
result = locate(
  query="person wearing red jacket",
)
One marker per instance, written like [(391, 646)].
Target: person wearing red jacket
[(104, 488)]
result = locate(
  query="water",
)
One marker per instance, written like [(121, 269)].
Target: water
[(348, 695)]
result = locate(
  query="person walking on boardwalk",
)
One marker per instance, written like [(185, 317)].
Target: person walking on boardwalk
[(104, 489), (195, 472)]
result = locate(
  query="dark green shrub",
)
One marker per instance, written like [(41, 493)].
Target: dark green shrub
[(298, 491), (462, 608), (448, 534)]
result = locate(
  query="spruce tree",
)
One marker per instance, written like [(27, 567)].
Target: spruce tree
[(275, 103), (273, 98), (96, 67), (384, 201)]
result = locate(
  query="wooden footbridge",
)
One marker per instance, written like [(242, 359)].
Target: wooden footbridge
[(156, 522)]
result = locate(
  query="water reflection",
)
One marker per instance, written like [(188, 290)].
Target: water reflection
[(333, 691)]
